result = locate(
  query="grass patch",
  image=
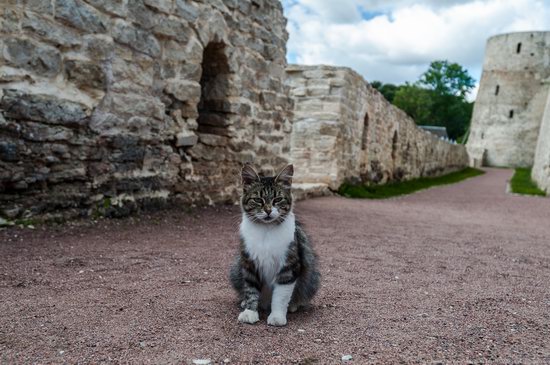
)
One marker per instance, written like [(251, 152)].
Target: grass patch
[(522, 183), (405, 187)]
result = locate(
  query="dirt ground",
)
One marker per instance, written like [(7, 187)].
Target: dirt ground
[(452, 274)]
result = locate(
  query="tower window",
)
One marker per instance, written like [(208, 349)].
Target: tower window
[(497, 89), (511, 114), (518, 48)]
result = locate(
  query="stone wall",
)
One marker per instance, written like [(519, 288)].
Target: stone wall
[(541, 168), (106, 106), (511, 98), (344, 129)]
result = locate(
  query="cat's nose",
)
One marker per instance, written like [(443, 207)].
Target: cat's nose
[(267, 210)]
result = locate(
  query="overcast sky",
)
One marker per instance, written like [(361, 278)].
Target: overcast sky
[(395, 40)]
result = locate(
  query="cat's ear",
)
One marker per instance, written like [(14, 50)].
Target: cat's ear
[(285, 176), (249, 175)]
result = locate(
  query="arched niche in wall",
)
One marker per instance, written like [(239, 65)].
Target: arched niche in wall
[(215, 166), (394, 145), (213, 105), (365, 136)]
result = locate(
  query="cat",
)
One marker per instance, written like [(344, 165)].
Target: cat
[(276, 267)]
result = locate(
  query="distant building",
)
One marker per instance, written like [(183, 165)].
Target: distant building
[(510, 103), (511, 119), (438, 131)]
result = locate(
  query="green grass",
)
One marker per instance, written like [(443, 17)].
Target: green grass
[(405, 187), (521, 183)]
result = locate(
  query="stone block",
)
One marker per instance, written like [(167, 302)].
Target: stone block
[(49, 30), (187, 10), (9, 20), (13, 74), (98, 46), (128, 76), (115, 7), (85, 74), (135, 38), (43, 108), (35, 132), (188, 91), (172, 27), (143, 16), (186, 139), (132, 105), (80, 15), (42, 59), (164, 6), (8, 151)]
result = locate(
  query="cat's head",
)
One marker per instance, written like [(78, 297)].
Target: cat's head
[(266, 200)]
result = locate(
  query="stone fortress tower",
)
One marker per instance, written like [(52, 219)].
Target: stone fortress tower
[(511, 100)]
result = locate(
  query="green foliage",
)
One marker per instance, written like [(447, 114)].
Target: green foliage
[(447, 79), (416, 102), (388, 90), (405, 187), (522, 183), (438, 98)]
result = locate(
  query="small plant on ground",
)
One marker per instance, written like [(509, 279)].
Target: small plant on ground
[(522, 183), (404, 187)]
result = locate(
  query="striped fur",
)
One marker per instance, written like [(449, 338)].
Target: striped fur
[(276, 262)]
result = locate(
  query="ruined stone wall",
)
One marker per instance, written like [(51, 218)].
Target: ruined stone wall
[(109, 105), (344, 129), (541, 168), (511, 98)]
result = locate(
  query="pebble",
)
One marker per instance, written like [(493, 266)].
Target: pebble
[(347, 358), (301, 330), (202, 362)]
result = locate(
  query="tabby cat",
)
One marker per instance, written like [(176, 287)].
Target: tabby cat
[(276, 267)]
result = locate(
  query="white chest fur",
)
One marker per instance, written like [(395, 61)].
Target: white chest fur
[(267, 245)]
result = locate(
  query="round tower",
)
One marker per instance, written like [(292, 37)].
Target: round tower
[(510, 102)]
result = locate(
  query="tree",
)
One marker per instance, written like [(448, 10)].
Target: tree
[(447, 79), (417, 102), (388, 90), (439, 98)]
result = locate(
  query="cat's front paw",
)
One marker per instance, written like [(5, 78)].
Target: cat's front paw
[(249, 316), (276, 319)]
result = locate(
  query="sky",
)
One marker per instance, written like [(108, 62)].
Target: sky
[(394, 41)]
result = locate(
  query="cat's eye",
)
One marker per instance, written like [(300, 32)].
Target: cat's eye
[(277, 200), (258, 200)]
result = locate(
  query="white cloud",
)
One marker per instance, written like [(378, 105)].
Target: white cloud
[(394, 41)]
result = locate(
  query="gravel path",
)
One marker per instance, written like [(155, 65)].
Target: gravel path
[(452, 274)]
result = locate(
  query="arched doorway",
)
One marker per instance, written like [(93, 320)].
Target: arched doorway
[(213, 109), (364, 161), (365, 136), (394, 146), (215, 166)]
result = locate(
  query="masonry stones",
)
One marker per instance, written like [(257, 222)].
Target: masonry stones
[(109, 106), (103, 102), (345, 130)]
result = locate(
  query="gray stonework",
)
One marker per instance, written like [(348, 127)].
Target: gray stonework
[(511, 99), (541, 168), (344, 129), (111, 105)]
